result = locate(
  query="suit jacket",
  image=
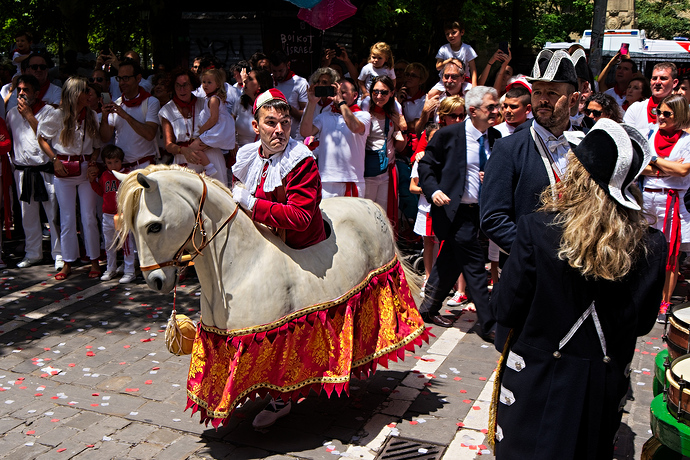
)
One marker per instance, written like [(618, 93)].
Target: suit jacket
[(444, 167), (514, 178)]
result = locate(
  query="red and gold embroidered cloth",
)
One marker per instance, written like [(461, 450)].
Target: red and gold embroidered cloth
[(317, 347)]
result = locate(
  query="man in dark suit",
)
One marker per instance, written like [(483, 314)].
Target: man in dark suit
[(451, 173), (524, 164)]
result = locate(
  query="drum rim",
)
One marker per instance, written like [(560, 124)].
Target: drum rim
[(685, 327)]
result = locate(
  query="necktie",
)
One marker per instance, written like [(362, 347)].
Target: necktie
[(482, 153)]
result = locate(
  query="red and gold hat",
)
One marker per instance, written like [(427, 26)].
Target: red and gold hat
[(268, 96)]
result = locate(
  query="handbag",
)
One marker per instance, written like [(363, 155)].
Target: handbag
[(376, 161), (73, 168)]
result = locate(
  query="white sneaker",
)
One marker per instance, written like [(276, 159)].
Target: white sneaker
[(107, 275), (27, 262), (457, 300), (271, 414), (59, 263), (128, 278)]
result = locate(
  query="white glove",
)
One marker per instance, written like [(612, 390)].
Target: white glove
[(243, 197)]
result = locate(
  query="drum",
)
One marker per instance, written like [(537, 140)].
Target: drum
[(672, 433), (678, 393), (678, 333)]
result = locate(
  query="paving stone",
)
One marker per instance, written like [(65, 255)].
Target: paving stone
[(134, 433), (145, 450), (84, 420), (104, 450), (24, 452), (56, 436), (163, 436), (72, 449), (181, 448), (214, 450)]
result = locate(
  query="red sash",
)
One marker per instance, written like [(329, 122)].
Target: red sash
[(351, 189), (672, 201), (392, 208), (37, 106), (42, 92)]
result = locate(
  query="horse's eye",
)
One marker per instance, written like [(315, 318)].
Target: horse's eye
[(154, 228)]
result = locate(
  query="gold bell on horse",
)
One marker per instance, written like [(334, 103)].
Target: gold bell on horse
[(179, 335)]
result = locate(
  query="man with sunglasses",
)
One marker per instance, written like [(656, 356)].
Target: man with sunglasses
[(452, 84), (33, 173), (37, 65), (132, 118), (642, 114), (100, 77), (451, 174)]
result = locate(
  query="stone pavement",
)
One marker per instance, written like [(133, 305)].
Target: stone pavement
[(84, 373)]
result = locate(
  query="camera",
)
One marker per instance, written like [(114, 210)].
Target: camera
[(324, 91)]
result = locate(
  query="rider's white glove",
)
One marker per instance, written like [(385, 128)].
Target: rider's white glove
[(243, 197)]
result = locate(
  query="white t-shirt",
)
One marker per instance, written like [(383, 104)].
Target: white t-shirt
[(295, 90), (376, 137), (341, 152), (222, 134), (636, 116), (466, 54), (369, 72), (422, 205), (52, 96), (505, 129), (27, 152), (412, 108), (612, 92), (243, 124), (135, 146), (679, 151)]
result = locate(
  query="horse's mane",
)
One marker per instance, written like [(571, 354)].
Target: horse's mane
[(129, 193)]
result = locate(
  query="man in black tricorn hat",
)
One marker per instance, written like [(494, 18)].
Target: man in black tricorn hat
[(523, 164)]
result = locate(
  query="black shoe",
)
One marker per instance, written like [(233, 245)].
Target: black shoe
[(488, 337), (438, 320)]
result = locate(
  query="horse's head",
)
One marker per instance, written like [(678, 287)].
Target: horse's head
[(156, 208)]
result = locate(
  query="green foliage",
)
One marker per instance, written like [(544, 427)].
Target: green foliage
[(662, 19)]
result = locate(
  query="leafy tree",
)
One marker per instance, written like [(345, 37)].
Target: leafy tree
[(663, 19)]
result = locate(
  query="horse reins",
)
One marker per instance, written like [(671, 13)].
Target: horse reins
[(198, 226)]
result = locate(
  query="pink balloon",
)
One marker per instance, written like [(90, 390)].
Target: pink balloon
[(327, 13)]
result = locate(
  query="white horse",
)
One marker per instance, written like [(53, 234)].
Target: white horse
[(248, 275)]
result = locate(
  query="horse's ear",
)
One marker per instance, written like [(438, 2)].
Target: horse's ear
[(149, 183), (119, 176)]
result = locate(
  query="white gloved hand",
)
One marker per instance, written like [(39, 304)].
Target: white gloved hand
[(243, 197)]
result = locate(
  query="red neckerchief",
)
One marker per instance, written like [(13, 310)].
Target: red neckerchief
[(619, 93), (626, 104), (288, 76), (182, 104), (354, 108), (663, 143), (42, 92), (376, 109), (37, 106), (143, 94), (651, 113), (82, 115)]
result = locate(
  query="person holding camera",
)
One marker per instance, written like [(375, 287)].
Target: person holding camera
[(342, 135)]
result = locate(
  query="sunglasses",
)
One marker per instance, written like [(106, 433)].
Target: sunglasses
[(96, 79), (381, 92), (411, 75), (665, 113), (452, 76), (596, 113), (124, 78), (38, 67), (456, 116)]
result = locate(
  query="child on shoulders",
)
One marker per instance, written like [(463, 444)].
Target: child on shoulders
[(380, 63), (455, 48)]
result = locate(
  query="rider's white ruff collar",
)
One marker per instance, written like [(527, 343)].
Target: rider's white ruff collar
[(250, 165)]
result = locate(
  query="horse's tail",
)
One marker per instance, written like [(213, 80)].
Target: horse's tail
[(414, 280)]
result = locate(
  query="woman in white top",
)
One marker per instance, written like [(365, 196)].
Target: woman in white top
[(254, 83), (383, 113), (71, 139), (180, 125), (667, 182)]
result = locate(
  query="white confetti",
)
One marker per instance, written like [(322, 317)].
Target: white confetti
[(95, 375), (105, 404), (422, 450), (134, 413), (153, 372), (31, 411), (48, 413), (101, 348), (86, 369), (640, 383), (9, 401), (106, 398), (176, 420), (30, 443), (107, 438), (132, 332)]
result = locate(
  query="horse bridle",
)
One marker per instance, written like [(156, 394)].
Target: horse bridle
[(179, 260)]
